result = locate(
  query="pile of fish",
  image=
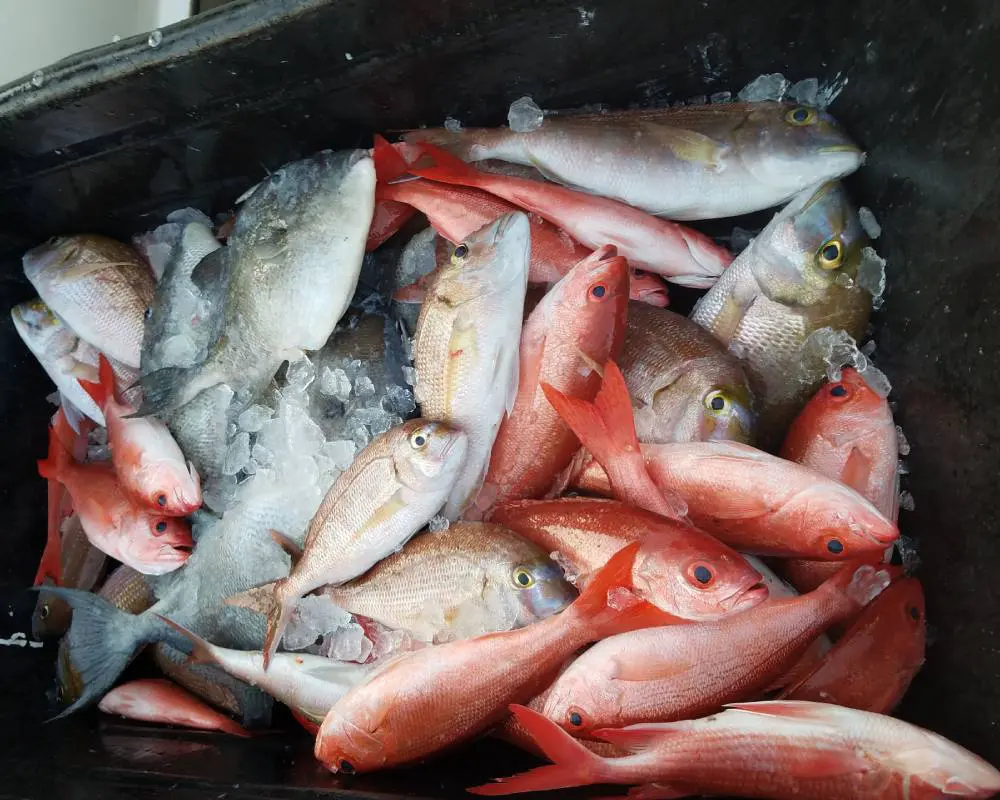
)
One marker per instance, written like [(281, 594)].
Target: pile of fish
[(411, 444)]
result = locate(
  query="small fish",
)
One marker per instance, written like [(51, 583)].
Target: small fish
[(578, 325), (685, 386), (872, 664), (679, 671), (784, 749), (765, 505), (389, 493), (466, 343), (151, 543), (430, 699), (465, 581), (159, 700), (719, 160), (309, 685), (82, 565), (799, 275), (128, 589), (148, 463), (682, 571), (282, 295), (681, 255), (100, 287)]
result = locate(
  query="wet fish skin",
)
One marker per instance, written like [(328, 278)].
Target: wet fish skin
[(128, 589), (684, 385), (100, 287), (159, 700), (799, 275), (719, 160), (282, 295), (780, 749), (681, 671), (452, 584), (466, 343), (577, 326), (200, 429), (587, 532)]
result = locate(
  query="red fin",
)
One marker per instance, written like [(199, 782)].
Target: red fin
[(201, 652), (636, 738), (286, 544), (105, 387), (58, 459), (856, 472), (440, 165), (574, 764), (389, 163), (50, 567), (278, 613)]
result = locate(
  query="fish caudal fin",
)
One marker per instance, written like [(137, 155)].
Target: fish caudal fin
[(201, 651), (101, 642), (163, 391), (272, 600), (389, 163), (52, 467), (104, 389), (574, 764), (50, 566), (607, 429)]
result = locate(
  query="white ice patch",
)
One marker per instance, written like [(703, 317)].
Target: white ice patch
[(837, 349), (452, 125), (437, 524), (869, 223), (254, 417), (764, 87), (809, 91), (871, 275), (524, 115)]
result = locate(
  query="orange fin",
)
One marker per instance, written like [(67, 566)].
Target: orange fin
[(637, 738), (50, 566), (104, 389), (286, 544), (257, 599), (201, 652), (574, 764), (389, 163), (440, 165), (857, 470)]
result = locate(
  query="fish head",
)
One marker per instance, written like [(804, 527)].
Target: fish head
[(594, 296), (788, 146), (352, 737), (45, 261), (40, 328), (156, 545), (930, 765), (696, 577), (585, 696), (846, 410), (710, 400), (487, 260), (51, 616), (841, 523), (648, 288), (170, 486), (539, 588), (811, 250), (428, 456)]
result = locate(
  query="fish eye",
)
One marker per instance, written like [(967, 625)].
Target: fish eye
[(161, 526), (830, 255), (418, 441), (838, 390), (702, 574), (523, 579), (716, 401), (914, 612), (598, 291), (638, 273), (575, 719), (346, 767), (461, 251), (44, 613), (161, 500), (147, 313), (835, 546), (800, 115)]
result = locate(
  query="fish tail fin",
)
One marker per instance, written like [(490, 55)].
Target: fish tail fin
[(50, 566), (389, 162), (257, 599), (460, 143), (164, 391), (201, 651), (573, 764), (104, 389), (101, 642), (607, 606), (440, 165), (53, 466), (276, 603)]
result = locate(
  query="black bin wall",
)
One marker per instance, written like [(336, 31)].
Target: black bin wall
[(113, 139)]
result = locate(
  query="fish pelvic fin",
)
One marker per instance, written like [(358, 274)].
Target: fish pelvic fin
[(573, 764)]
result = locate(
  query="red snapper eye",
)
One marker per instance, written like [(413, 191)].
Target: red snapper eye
[(838, 390), (701, 575), (597, 292)]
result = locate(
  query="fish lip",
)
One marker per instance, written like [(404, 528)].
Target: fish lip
[(841, 148), (750, 595)]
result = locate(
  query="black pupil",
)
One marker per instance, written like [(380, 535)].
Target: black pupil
[(161, 526), (45, 611), (801, 115), (835, 546), (915, 612), (575, 719), (838, 391), (419, 441), (702, 574), (718, 404), (830, 252), (347, 766), (161, 499), (639, 273), (148, 313), (523, 579), (461, 250), (598, 291)]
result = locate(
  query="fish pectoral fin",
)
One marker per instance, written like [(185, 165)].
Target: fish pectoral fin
[(690, 146), (381, 514), (506, 365), (857, 470), (637, 672)]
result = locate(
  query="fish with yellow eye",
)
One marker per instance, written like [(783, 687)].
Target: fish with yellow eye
[(798, 276), (685, 385)]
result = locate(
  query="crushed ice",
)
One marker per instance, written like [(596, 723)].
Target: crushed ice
[(901, 442), (809, 91), (524, 115), (871, 275), (452, 125), (837, 349), (869, 223), (437, 524)]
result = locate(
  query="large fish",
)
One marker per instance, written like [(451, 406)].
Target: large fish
[(468, 580), (100, 287), (429, 699), (200, 429), (685, 387), (799, 275), (680, 671), (693, 162), (684, 572), (787, 750), (680, 254), (391, 491), (465, 348), (293, 262), (159, 700), (872, 664), (577, 326)]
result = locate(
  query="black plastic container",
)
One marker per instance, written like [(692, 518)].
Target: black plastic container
[(112, 139)]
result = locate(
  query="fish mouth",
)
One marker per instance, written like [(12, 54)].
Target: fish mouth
[(842, 148), (747, 597)]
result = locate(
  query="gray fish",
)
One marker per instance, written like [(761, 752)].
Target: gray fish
[(181, 322), (293, 262)]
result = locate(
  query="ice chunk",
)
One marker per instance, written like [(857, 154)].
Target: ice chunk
[(828, 92), (185, 216), (253, 418), (237, 454), (907, 550), (902, 468), (348, 643), (218, 495), (98, 452), (871, 275), (387, 642), (838, 349), (868, 348), (720, 97), (340, 452), (300, 374), (438, 524), (364, 387), (764, 87), (566, 565), (302, 436), (902, 444), (179, 350), (410, 375), (263, 456), (622, 599), (360, 436), (805, 92), (524, 115), (250, 468), (906, 502), (335, 383), (398, 399), (869, 223), (314, 616), (452, 125)]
